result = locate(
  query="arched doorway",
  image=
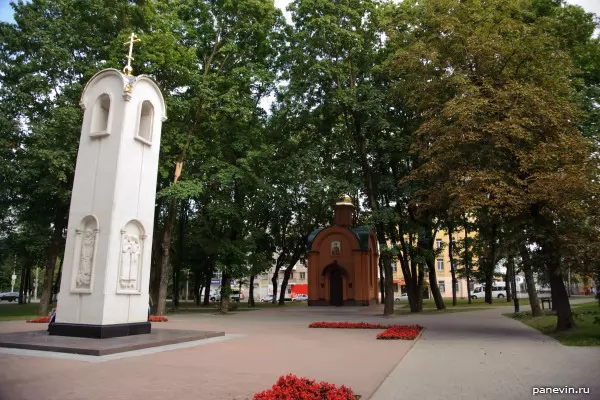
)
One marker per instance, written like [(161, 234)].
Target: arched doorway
[(336, 288)]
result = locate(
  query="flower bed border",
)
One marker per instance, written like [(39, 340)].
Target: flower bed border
[(154, 318), (391, 332)]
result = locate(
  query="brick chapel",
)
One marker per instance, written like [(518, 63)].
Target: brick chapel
[(342, 262)]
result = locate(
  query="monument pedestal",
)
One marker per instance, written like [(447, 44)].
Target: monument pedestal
[(99, 331)]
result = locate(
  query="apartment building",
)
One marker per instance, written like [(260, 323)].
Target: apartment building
[(298, 282), (442, 268)]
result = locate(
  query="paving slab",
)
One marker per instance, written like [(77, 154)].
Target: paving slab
[(41, 340)]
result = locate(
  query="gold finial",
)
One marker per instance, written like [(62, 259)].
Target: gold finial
[(345, 200), (132, 39)]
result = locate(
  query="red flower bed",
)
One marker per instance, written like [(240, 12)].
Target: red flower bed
[(152, 318), (290, 387), (392, 332), (40, 320), (348, 325), (400, 332)]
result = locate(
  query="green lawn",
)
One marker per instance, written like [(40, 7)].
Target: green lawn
[(587, 325), (474, 303), (12, 311)]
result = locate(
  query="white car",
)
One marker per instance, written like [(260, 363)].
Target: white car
[(301, 297), (403, 296), (267, 299)]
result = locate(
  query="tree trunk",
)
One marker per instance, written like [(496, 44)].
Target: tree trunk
[(225, 293), (489, 281), (426, 245), (508, 278), (536, 310), (433, 285), (467, 264), (420, 287), (29, 284), (452, 265), (251, 302), (198, 288), (163, 272), (52, 255), (381, 282), (290, 267), (22, 284), (388, 271), (155, 259), (275, 277), (560, 299), (209, 275)]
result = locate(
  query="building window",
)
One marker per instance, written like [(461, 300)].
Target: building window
[(395, 267), (302, 275), (438, 243), (292, 275), (440, 264), (457, 287), (442, 286)]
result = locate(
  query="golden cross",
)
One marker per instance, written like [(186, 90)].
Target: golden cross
[(132, 39)]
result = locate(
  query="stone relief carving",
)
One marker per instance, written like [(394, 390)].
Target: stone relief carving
[(86, 241), (86, 259), (130, 258)]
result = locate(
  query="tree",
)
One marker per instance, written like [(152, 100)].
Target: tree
[(499, 131)]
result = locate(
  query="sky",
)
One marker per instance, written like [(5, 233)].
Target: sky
[(589, 5)]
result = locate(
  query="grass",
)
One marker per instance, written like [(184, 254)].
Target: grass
[(585, 333), (19, 312), (474, 303)]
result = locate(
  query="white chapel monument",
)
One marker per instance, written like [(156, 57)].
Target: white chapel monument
[(106, 270)]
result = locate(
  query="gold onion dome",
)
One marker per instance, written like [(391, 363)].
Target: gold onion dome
[(344, 200)]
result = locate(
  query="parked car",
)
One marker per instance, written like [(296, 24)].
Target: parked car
[(9, 296), (267, 299), (403, 296), (301, 297)]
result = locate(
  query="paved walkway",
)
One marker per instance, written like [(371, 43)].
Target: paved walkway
[(484, 355)]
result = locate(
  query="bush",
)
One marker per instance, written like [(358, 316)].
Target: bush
[(233, 306), (290, 387)]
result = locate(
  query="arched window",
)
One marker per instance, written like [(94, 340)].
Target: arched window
[(100, 116), (145, 125)]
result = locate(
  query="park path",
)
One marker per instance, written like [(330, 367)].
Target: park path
[(485, 355)]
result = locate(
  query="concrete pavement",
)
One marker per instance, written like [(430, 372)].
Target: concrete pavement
[(485, 355)]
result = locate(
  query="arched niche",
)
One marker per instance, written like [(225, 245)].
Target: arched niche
[(145, 122), (101, 116), (130, 258), (86, 244)]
